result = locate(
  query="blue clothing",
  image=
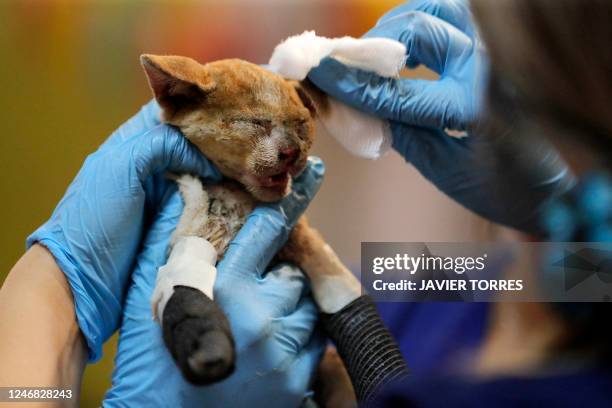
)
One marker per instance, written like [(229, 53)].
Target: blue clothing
[(435, 337), (439, 338), (588, 389)]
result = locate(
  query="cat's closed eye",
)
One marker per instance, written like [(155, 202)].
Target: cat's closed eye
[(265, 124), (299, 125)]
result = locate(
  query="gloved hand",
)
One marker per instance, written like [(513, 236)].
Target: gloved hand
[(95, 231), (440, 34), (271, 314)]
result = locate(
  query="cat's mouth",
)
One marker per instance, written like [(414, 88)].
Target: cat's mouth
[(274, 185), (275, 180), (280, 179)]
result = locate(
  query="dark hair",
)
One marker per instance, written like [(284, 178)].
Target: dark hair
[(556, 53), (551, 68)]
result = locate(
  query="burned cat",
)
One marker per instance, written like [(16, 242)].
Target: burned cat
[(257, 128)]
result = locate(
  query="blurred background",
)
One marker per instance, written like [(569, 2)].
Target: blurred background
[(70, 75)]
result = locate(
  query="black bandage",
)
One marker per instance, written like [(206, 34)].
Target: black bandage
[(371, 356), (198, 335)]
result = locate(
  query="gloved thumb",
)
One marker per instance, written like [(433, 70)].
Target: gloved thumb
[(154, 253), (268, 226), (144, 373), (163, 149)]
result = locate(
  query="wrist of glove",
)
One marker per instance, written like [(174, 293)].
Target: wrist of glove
[(485, 174)]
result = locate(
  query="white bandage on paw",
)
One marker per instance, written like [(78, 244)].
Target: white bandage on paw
[(361, 134), (191, 263), (333, 285)]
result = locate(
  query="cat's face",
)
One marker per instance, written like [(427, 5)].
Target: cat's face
[(254, 125)]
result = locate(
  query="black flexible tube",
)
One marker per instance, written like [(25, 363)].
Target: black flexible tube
[(369, 352)]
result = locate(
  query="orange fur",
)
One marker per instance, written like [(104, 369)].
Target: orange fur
[(241, 116), (245, 119)]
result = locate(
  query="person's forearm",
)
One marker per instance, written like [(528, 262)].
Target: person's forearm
[(41, 343)]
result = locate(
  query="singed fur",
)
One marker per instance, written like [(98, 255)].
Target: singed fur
[(257, 128), (254, 125)]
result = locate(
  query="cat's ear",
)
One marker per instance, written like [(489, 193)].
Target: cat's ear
[(312, 98), (177, 82)]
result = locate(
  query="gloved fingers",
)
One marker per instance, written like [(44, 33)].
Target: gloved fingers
[(153, 255), (454, 12), (436, 104), (266, 368), (144, 373), (306, 362), (291, 375), (142, 364), (293, 331), (278, 340), (403, 100), (146, 119), (429, 40), (275, 296), (284, 285), (164, 148), (267, 228)]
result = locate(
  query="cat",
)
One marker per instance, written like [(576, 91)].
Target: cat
[(257, 128)]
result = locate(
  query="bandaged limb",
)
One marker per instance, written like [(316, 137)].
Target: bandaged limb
[(191, 264), (192, 259), (350, 319), (367, 348), (195, 329), (362, 134)]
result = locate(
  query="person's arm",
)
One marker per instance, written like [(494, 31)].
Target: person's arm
[(483, 172), (41, 343)]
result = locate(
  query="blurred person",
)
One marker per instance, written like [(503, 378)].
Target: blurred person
[(548, 89)]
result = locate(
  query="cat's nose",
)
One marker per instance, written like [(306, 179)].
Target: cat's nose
[(287, 156)]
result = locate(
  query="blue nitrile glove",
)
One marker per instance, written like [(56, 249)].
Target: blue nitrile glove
[(96, 229), (271, 313), (440, 35)]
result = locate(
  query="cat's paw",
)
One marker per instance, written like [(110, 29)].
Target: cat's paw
[(199, 337)]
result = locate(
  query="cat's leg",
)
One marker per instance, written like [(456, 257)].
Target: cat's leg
[(195, 213), (348, 317), (195, 329), (333, 285)]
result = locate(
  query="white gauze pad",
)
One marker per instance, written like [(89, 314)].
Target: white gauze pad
[(361, 134), (191, 263)]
